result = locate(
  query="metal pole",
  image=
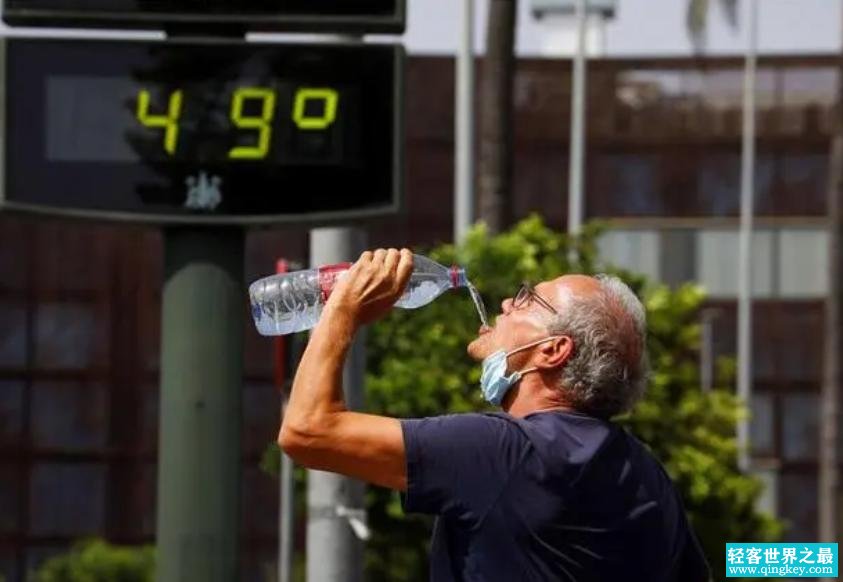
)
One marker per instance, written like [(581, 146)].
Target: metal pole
[(285, 347), (828, 502), (201, 384), (335, 504), (464, 127), (286, 534), (575, 171), (745, 239)]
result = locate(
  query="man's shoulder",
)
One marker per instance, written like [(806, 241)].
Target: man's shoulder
[(556, 436), (570, 432), (468, 423), (470, 437)]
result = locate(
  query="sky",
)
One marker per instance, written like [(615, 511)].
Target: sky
[(643, 27)]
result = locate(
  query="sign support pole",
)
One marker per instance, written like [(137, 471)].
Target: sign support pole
[(336, 522), (201, 383)]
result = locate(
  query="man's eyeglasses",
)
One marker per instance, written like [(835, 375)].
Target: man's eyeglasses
[(526, 293)]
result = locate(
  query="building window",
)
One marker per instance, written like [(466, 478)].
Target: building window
[(10, 498), (762, 425), (799, 506), (69, 416), (11, 412), (800, 427), (67, 335), (798, 277), (13, 336), (67, 499), (699, 181), (635, 250), (717, 262)]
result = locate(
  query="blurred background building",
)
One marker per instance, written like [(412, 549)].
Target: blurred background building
[(80, 303)]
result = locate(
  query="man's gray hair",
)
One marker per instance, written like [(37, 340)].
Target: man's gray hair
[(608, 371)]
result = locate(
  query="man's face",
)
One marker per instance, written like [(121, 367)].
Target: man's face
[(518, 325)]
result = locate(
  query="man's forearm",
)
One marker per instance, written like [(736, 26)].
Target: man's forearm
[(317, 391)]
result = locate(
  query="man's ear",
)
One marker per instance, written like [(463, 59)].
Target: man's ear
[(556, 352)]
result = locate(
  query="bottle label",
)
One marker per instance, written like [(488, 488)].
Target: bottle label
[(455, 276), (328, 276)]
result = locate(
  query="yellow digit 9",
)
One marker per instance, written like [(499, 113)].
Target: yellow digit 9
[(169, 121), (263, 123), (330, 99)]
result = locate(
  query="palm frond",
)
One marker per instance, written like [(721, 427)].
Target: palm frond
[(730, 9), (696, 21)]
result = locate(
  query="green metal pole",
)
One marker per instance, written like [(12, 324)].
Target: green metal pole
[(201, 379)]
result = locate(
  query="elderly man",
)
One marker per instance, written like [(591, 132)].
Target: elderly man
[(549, 489)]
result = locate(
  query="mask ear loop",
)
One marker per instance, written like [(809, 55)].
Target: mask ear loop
[(531, 344), (516, 376)]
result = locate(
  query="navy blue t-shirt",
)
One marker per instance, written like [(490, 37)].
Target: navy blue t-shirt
[(553, 496)]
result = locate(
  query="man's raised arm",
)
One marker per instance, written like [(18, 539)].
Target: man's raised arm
[(318, 431)]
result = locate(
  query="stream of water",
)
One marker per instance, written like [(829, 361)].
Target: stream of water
[(478, 303)]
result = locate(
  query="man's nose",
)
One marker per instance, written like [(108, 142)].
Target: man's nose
[(506, 306)]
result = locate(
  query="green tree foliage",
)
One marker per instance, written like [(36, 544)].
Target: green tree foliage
[(98, 561), (418, 367)]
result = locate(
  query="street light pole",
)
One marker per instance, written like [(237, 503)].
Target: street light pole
[(464, 127), (575, 170), (745, 238)]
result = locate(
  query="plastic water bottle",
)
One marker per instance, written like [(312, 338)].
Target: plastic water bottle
[(291, 302)]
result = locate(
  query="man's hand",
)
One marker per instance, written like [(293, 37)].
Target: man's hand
[(371, 287)]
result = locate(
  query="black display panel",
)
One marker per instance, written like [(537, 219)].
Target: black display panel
[(359, 16), (186, 132)]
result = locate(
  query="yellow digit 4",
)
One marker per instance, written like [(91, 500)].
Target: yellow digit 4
[(263, 123), (169, 121), (330, 99)]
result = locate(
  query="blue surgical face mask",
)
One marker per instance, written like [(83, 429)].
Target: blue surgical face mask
[(493, 380)]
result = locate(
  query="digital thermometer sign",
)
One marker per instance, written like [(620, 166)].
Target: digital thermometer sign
[(358, 16), (193, 132)]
